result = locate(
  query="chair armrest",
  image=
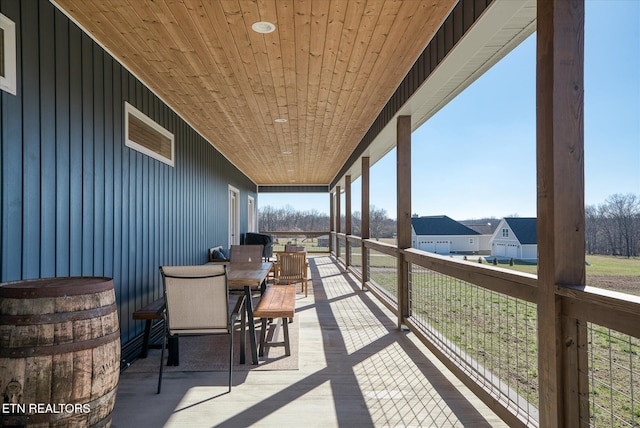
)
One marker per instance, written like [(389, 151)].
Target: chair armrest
[(236, 310)]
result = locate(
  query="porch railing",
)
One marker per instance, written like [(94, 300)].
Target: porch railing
[(314, 242), (481, 321)]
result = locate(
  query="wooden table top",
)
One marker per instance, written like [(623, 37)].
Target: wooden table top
[(242, 274)]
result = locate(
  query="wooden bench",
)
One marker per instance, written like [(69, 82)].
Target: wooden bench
[(278, 301), (154, 311)]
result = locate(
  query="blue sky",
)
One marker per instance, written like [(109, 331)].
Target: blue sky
[(468, 171)]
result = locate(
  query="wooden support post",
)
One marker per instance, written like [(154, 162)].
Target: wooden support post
[(332, 220), (404, 212), (560, 188), (347, 214), (365, 218), (338, 221)]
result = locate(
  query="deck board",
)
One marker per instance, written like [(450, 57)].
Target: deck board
[(356, 369)]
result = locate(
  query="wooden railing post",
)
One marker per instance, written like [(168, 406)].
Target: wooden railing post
[(365, 225), (332, 222), (560, 188), (404, 212), (338, 221), (347, 216)]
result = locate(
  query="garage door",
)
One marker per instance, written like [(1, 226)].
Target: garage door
[(429, 246), (443, 247)]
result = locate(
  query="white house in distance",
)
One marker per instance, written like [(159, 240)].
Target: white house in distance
[(516, 237), (443, 235)]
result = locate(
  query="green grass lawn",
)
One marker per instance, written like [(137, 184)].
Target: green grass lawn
[(597, 265), (609, 272), (613, 266)]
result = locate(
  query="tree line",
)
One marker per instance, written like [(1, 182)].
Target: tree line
[(287, 219), (611, 228)]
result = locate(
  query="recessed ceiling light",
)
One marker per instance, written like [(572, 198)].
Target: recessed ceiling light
[(280, 120), (263, 27), (287, 153)]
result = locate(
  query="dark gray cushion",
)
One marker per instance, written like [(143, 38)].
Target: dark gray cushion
[(218, 255)]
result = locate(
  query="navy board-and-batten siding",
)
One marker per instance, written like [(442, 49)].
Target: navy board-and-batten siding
[(75, 201)]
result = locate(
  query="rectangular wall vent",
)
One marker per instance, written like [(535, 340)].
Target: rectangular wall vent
[(148, 137)]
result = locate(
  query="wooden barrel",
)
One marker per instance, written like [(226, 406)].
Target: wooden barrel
[(59, 352)]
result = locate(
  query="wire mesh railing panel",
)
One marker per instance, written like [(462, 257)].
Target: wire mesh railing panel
[(342, 243), (383, 272), (355, 255), (492, 337), (614, 377)]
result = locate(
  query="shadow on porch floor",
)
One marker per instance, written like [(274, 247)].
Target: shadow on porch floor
[(356, 370)]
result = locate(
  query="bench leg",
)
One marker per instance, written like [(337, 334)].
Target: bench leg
[(285, 326), (252, 326), (243, 335), (263, 337), (145, 338)]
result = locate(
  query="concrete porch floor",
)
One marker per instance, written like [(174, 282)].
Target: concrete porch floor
[(356, 370)]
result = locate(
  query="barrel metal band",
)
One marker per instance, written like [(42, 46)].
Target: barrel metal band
[(58, 317), (62, 348), (55, 287)]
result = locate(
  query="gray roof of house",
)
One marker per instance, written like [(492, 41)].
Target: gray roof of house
[(440, 225), (482, 227), (525, 229)]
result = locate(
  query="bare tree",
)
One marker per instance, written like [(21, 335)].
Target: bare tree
[(592, 228), (613, 227), (356, 223), (378, 222), (623, 211)]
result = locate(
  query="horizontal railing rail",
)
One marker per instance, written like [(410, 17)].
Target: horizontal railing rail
[(313, 234), (516, 284), (353, 239), (313, 241), (608, 308), (381, 247)]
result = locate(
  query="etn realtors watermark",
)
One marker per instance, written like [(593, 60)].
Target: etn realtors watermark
[(43, 408)]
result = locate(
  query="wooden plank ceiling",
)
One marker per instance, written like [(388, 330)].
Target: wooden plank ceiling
[(328, 68)]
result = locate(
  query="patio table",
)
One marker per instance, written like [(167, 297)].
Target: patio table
[(248, 276)]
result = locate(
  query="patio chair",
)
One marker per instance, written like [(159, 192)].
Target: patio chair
[(197, 303), (289, 248), (292, 268)]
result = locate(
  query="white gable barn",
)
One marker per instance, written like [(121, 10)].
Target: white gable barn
[(516, 237)]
